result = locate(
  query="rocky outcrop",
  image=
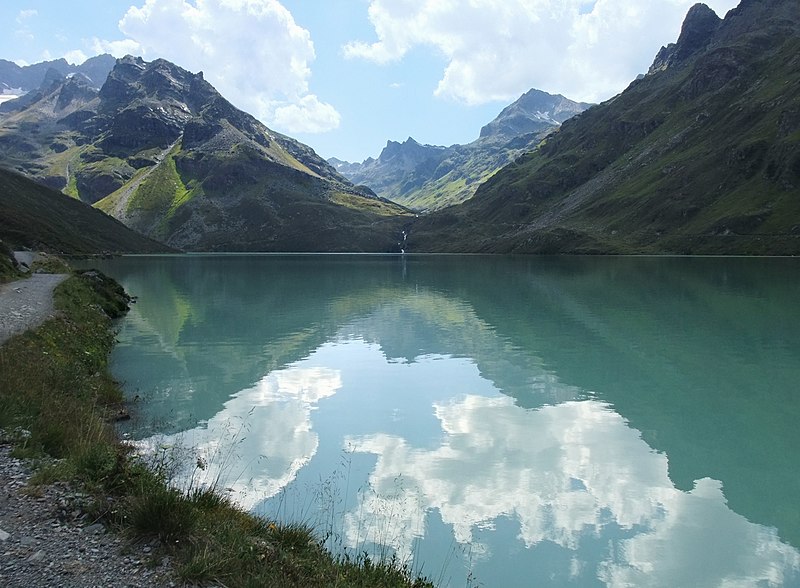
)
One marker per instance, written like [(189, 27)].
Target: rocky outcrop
[(696, 33)]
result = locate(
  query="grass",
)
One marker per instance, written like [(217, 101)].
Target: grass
[(36, 217), (57, 403), (8, 269), (362, 203)]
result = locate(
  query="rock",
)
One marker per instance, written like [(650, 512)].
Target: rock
[(96, 529), (4, 536), (36, 557)]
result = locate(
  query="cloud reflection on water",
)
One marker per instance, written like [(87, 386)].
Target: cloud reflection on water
[(262, 437), (565, 473)]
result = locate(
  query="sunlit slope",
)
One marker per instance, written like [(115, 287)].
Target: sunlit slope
[(34, 216)]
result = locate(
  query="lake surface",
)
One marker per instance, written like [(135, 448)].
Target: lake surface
[(495, 421)]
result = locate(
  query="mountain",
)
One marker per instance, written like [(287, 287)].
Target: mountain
[(160, 149), (31, 77), (702, 155), (392, 175), (37, 217), (534, 112), (427, 177)]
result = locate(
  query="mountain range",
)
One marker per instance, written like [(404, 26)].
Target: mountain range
[(701, 155), (429, 177), (158, 148), (16, 79)]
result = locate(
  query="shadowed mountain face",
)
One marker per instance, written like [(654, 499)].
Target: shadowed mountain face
[(160, 149), (428, 177), (702, 155), (37, 217)]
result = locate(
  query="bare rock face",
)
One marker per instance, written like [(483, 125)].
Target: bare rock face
[(696, 33)]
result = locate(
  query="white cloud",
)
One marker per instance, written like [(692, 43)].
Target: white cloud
[(25, 15), (252, 51), (76, 57), (498, 49), (308, 115)]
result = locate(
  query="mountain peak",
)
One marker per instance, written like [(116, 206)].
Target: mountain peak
[(696, 33), (533, 112), (409, 151)]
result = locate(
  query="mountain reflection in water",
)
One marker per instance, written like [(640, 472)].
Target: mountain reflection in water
[(593, 421)]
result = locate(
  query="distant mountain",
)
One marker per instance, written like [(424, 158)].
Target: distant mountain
[(31, 77), (395, 173), (427, 177), (37, 217), (534, 112), (702, 155), (160, 149)]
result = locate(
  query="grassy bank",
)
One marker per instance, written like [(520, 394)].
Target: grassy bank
[(57, 405)]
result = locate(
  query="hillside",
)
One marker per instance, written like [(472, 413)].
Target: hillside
[(36, 217), (702, 155), (428, 177), (161, 150)]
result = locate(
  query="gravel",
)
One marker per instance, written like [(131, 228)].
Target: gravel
[(48, 540), (25, 304)]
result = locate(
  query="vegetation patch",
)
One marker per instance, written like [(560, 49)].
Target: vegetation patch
[(8, 267), (374, 205)]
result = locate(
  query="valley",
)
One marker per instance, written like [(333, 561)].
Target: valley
[(698, 156)]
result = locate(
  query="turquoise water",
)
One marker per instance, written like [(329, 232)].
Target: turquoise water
[(493, 421)]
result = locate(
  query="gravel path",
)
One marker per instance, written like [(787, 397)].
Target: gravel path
[(25, 304), (48, 541)]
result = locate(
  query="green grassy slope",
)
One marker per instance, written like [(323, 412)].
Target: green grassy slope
[(703, 157), (34, 216)]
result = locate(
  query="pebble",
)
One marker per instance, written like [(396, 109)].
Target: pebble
[(46, 541)]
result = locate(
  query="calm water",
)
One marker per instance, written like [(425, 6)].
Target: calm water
[(495, 421)]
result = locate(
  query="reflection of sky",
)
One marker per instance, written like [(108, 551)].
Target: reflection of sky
[(260, 440), (565, 473)]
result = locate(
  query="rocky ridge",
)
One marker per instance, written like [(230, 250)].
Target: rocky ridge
[(430, 177)]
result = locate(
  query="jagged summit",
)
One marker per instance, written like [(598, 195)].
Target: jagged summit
[(429, 177), (696, 33), (30, 77)]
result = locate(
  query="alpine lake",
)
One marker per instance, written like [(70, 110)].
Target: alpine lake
[(490, 421)]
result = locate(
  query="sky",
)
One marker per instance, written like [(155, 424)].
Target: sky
[(345, 76)]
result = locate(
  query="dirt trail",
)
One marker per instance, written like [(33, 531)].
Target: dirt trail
[(25, 304)]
